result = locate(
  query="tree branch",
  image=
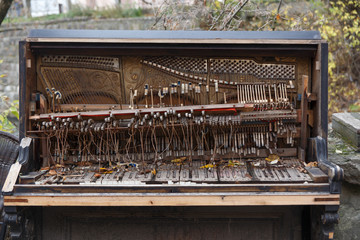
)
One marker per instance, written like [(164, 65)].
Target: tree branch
[(4, 7), (236, 12), (277, 13)]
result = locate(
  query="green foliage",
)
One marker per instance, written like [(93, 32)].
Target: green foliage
[(12, 109), (339, 25)]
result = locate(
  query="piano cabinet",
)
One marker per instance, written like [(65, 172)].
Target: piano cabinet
[(150, 127)]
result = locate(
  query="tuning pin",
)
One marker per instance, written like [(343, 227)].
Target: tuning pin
[(58, 95), (49, 92)]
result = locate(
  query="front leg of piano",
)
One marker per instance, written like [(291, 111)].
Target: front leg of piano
[(324, 219), (317, 151), (21, 221), (325, 216)]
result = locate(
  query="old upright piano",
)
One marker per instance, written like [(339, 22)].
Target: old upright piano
[(173, 135)]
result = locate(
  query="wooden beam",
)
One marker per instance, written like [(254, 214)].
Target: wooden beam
[(174, 41), (173, 200), (11, 177)]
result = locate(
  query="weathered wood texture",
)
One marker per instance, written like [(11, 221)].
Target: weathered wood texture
[(170, 223), (174, 200), (348, 126)]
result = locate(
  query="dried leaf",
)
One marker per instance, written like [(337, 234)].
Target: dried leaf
[(234, 163), (178, 160), (208, 166), (272, 157), (312, 164)]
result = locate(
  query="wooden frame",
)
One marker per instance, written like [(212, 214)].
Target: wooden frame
[(173, 200)]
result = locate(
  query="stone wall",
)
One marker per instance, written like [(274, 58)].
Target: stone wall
[(344, 155), (11, 34)]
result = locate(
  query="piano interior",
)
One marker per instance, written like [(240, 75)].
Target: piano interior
[(168, 119)]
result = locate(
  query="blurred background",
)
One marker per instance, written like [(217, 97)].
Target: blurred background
[(337, 21)]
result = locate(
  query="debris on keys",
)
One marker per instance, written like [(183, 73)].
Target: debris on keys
[(272, 157), (312, 164), (234, 163), (207, 166), (178, 160)]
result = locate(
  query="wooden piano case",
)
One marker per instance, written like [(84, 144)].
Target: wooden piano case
[(173, 135)]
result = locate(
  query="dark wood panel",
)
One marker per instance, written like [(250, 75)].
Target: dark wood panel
[(172, 223), (37, 189)]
